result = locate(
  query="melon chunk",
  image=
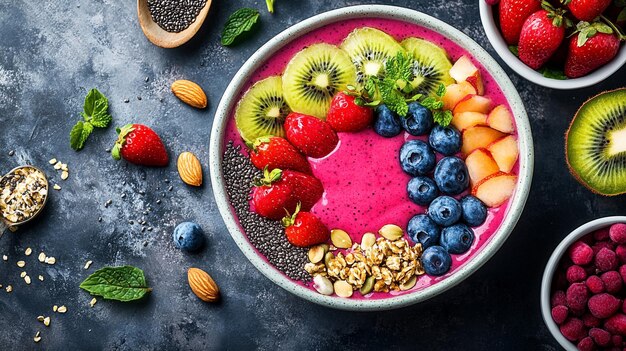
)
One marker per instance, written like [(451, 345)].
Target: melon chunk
[(480, 165), (473, 103), (466, 120), (464, 70), (455, 93), (479, 137), (494, 190), (505, 152), (500, 118)]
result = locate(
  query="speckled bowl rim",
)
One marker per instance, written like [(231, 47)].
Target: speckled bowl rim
[(388, 12), (553, 262)]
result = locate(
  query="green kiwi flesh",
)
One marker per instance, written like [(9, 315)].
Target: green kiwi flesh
[(431, 66), (262, 110), (596, 143), (314, 75), (369, 49)]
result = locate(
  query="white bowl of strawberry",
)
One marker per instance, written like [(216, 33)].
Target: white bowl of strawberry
[(562, 45), (583, 287), (370, 158)]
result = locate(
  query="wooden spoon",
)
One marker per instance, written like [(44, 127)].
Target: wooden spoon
[(159, 36)]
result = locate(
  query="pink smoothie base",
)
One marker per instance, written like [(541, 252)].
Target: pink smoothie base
[(365, 188)]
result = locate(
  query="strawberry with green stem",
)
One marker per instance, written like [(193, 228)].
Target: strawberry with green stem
[(304, 229), (541, 35), (513, 14), (587, 10), (139, 144), (272, 195)]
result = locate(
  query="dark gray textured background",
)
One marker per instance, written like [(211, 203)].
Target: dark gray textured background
[(52, 52)]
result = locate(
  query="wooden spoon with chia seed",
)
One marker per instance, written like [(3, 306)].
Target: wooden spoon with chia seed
[(159, 36)]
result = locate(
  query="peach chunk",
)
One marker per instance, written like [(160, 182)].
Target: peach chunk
[(473, 103), (480, 165), (505, 152), (466, 120), (464, 70), (455, 93), (479, 137), (494, 190), (500, 118)]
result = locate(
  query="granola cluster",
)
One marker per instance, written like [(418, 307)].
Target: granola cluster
[(22, 194)]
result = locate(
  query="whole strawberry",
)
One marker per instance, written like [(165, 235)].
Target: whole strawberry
[(513, 14), (312, 136), (593, 47), (139, 144), (306, 188), (542, 34), (276, 152), (344, 115), (272, 196), (304, 229), (587, 10)]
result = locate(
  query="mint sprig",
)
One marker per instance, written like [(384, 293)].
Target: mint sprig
[(124, 283), (95, 114), (239, 22)]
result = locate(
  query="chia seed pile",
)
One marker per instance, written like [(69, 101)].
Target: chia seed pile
[(175, 15), (266, 235)]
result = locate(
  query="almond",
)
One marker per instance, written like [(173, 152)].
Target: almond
[(189, 169), (190, 93), (203, 285)]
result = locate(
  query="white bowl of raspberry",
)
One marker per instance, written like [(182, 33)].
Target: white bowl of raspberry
[(582, 290)]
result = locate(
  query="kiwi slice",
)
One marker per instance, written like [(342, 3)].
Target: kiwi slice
[(313, 76), (596, 143), (262, 110), (369, 50), (431, 66)]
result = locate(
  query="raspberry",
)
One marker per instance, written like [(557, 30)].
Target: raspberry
[(581, 253), (616, 325), (586, 344), (558, 298), (617, 232), (559, 314), (595, 284), (620, 251), (590, 321), (617, 340), (577, 296), (612, 281), (622, 272), (573, 329), (575, 274), (604, 305), (602, 245), (601, 234), (600, 336), (605, 260)]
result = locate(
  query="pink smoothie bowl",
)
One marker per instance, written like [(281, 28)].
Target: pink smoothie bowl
[(509, 214)]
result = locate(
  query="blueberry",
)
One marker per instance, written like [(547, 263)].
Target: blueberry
[(445, 140), (457, 239), (436, 260), (418, 121), (445, 211), (417, 158), (387, 122), (422, 229), (474, 211), (451, 175), (422, 190), (188, 236)]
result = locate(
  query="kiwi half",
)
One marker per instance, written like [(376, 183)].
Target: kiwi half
[(262, 110), (431, 66), (314, 75), (595, 143), (369, 49)]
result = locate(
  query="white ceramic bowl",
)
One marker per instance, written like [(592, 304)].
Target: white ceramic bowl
[(553, 263), (501, 47), (229, 100)]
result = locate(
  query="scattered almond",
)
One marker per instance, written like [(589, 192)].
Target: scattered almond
[(190, 169), (189, 93), (203, 285)]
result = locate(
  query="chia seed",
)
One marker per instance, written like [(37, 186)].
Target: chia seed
[(266, 235), (126, 101), (139, 98), (175, 15)]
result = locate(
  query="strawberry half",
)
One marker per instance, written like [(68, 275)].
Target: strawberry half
[(273, 196), (139, 144), (344, 115), (594, 46), (312, 136), (513, 14), (542, 34), (306, 188), (276, 152), (587, 10), (304, 229)]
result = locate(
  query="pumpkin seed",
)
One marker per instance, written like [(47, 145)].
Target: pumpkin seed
[(391, 232), (340, 239), (368, 286)]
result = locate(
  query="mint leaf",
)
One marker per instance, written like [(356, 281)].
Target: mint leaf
[(443, 118), (124, 283), (240, 21), (79, 134), (441, 90), (93, 97)]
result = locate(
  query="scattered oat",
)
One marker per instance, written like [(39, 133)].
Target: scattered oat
[(21, 264), (88, 264), (28, 251), (27, 280), (37, 337), (9, 288), (52, 161), (23, 274), (58, 165), (62, 309), (40, 277), (92, 302), (5, 257), (46, 321), (41, 257), (56, 187), (40, 318), (55, 308), (50, 260), (64, 175), (64, 167)]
